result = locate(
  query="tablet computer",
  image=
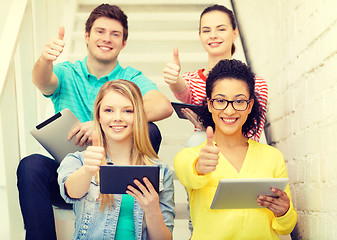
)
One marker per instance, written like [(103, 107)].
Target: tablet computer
[(178, 106), (114, 179), (52, 134), (242, 193)]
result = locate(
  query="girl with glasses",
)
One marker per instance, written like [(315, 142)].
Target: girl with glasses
[(231, 113)]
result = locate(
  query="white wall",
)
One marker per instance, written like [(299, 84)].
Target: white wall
[(293, 45)]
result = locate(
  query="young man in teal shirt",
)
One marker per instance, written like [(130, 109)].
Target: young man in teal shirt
[(75, 86)]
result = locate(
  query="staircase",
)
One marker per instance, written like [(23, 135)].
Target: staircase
[(155, 28)]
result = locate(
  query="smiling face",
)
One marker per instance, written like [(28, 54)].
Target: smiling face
[(217, 34), (105, 40), (116, 117), (229, 121)]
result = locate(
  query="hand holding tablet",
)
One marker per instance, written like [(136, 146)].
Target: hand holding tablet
[(179, 106), (278, 205), (145, 194)]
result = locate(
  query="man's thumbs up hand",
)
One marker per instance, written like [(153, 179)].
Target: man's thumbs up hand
[(54, 47), (61, 33)]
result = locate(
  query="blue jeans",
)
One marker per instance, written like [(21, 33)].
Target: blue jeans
[(155, 136), (39, 191)]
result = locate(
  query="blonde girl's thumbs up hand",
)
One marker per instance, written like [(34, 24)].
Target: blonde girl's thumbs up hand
[(93, 156)]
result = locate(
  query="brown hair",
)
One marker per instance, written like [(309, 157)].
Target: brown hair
[(225, 10), (109, 11)]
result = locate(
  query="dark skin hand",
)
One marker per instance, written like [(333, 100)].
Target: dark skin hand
[(279, 206)]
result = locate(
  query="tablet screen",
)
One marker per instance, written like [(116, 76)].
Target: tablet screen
[(115, 179)]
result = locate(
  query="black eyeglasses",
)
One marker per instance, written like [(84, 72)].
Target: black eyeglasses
[(222, 104)]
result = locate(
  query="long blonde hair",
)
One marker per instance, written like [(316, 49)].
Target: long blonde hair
[(142, 151)]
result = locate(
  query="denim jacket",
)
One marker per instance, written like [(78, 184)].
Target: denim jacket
[(92, 223)]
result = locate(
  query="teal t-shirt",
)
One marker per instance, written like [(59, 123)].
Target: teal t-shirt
[(126, 226), (77, 89)]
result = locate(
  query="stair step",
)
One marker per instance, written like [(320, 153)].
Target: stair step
[(152, 20), (160, 57), (63, 214), (163, 45), (87, 5), (153, 15), (181, 211)]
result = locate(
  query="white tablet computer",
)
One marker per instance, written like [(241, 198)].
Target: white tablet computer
[(52, 134), (178, 106), (242, 193), (115, 179)]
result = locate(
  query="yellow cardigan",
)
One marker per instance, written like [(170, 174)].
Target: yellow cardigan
[(261, 161)]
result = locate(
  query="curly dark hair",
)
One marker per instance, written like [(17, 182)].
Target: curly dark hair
[(232, 69)]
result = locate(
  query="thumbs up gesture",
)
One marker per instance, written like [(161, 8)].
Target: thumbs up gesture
[(93, 156), (209, 155), (172, 69), (54, 47)]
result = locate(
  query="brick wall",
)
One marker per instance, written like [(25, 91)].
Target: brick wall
[(293, 45)]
